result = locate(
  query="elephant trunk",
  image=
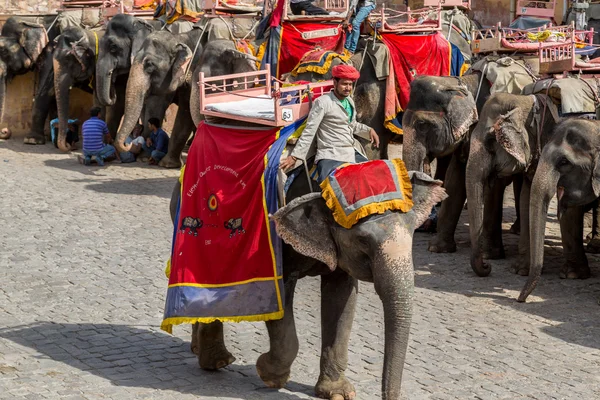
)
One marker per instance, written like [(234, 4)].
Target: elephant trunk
[(394, 283), (195, 99), (104, 83), (137, 88), (478, 170), (543, 189), (413, 151), (62, 86)]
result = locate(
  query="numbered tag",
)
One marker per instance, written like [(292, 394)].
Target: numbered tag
[(287, 115)]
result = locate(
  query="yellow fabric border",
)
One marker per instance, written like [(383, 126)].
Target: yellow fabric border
[(465, 67), (218, 285), (279, 51), (321, 70), (449, 56), (347, 221), (167, 324)]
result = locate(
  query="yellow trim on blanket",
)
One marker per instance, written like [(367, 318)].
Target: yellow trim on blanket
[(465, 67), (167, 324), (323, 69), (347, 221), (218, 285), (449, 58), (266, 210)]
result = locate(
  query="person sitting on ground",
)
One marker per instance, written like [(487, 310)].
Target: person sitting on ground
[(158, 142), (137, 142), (361, 9), (96, 139), (298, 6), (332, 119), (72, 135)]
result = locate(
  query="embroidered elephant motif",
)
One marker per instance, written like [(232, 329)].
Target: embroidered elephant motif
[(193, 224), (235, 225)]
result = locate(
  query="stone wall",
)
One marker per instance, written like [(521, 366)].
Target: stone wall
[(28, 6)]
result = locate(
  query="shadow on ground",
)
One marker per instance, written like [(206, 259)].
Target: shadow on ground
[(136, 357), (161, 187)]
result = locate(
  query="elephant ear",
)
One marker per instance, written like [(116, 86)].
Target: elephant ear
[(142, 29), (305, 224), (426, 192), (183, 57), (242, 62), (462, 111), (33, 39), (596, 176), (512, 136)]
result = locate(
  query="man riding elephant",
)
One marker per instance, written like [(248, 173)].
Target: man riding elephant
[(333, 120)]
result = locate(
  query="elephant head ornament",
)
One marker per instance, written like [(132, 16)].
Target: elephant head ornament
[(377, 249)]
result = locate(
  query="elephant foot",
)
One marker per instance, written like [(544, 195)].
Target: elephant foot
[(437, 245), (212, 359), (521, 268), (515, 229), (267, 370), (34, 140), (341, 389), (495, 253), (574, 271), (593, 246), (168, 162)]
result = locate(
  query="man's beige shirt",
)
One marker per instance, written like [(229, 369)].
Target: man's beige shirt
[(329, 122)]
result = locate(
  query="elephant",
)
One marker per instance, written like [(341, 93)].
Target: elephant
[(24, 46), (377, 249), (160, 75), (437, 124), (122, 39), (235, 225), (569, 168), (507, 141), (192, 223), (74, 60)]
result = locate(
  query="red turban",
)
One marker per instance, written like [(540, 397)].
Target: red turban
[(344, 71)]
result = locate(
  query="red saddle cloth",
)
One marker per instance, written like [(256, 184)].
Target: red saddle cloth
[(355, 191)]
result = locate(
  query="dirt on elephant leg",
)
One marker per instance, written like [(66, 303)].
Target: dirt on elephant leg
[(267, 371), (211, 350), (341, 389), (34, 139), (168, 162), (521, 267)]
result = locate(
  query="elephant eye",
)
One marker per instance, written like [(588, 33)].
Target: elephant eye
[(113, 49), (563, 162), (149, 66)]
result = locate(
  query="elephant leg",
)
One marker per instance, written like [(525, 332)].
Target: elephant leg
[(451, 208), (523, 263), (208, 343), (44, 99), (593, 239), (115, 113), (517, 190), (274, 367), (571, 231), (181, 132), (338, 303), (493, 247), (441, 167)]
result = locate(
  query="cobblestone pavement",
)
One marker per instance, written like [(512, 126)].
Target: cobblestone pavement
[(82, 287)]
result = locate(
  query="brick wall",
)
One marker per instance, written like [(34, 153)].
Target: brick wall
[(28, 6)]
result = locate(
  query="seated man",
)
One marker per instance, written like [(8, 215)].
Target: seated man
[(307, 6), (95, 139), (158, 142), (332, 119), (362, 11), (72, 135)]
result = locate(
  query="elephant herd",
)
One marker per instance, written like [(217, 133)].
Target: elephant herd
[(485, 141), (134, 68)]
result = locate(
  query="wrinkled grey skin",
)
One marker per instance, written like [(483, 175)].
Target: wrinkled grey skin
[(23, 47), (161, 74), (378, 249), (74, 61), (437, 123), (569, 167), (504, 143), (369, 97)]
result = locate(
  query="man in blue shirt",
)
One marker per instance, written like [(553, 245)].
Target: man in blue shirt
[(158, 142), (95, 134)]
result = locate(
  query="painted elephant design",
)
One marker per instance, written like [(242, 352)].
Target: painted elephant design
[(235, 225), (191, 223)]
